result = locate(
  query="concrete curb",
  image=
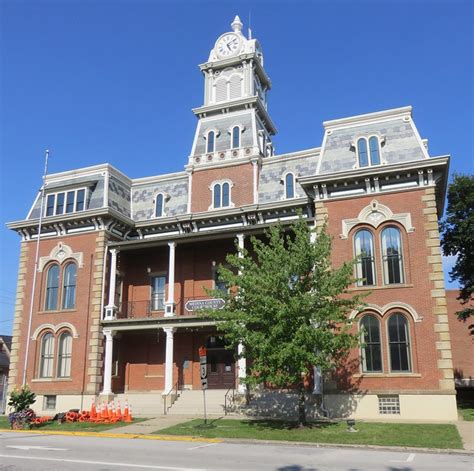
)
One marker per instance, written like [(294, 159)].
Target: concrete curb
[(169, 438), (185, 438)]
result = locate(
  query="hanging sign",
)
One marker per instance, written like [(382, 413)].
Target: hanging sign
[(198, 304)]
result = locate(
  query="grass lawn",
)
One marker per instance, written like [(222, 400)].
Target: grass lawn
[(71, 426), (465, 400), (416, 435)]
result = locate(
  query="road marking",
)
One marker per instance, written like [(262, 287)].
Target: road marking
[(410, 458), (28, 447), (104, 463), (202, 446)]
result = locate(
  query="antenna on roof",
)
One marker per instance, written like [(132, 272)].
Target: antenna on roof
[(250, 24)]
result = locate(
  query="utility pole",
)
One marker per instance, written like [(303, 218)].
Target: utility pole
[(35, 273)]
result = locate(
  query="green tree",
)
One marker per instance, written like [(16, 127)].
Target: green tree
[(288, 307), (458, 238)]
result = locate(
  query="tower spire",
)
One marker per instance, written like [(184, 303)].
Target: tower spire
[(237, 24)]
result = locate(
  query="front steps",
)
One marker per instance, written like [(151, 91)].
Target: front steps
[(192, 403)]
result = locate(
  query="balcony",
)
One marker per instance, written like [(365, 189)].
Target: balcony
[(155, 307)]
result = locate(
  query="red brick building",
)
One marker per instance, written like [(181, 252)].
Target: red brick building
[(124, 263)]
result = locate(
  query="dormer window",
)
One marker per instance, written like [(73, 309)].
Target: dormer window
[(221, 195), (368, 149), (211, 141), (159, 205), (65, 202), (289, 186), (235, 137)]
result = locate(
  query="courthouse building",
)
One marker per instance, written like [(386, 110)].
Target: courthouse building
[(124, 263)]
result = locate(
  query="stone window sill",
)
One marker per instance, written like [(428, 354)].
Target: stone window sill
[(50, 380), (373, 288), (58, 311), (387, 375)]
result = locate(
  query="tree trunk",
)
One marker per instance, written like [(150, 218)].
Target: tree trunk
[(302, 406)]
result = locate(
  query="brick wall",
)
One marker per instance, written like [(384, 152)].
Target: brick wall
[(422, 290), (241, 192)]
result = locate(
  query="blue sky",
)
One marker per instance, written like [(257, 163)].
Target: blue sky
[(115, 81)]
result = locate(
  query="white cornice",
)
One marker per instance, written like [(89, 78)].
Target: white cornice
[(362, 118), (87, 171)]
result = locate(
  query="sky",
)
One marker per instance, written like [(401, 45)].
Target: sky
[(101, 81)]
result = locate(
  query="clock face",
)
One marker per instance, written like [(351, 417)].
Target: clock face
[(228, 45)]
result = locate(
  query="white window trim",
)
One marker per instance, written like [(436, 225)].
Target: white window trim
[(361, 369), (380, 140), (58, 363), (40, 366), (55, 194), (206, 136), (401, 261), (409, 345), (157, 274), (230, 132), (283, 182), (164, 209), (374, 264), (211, 188)]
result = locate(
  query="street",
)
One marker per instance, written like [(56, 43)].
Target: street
[(25, 451)]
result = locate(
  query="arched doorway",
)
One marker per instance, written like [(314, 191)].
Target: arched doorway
[(220, 364)]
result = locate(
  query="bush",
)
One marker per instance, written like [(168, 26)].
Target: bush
[(22, 399)]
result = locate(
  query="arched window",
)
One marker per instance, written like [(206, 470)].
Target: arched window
[(364, 251), (69, 286), (217, 195), (399, 343), (289, 186), (221, 195), (211, 138), (225, 195), (392, 256), (46, 355), (64, 355), (374, 150), (362, 152), (371, 348), (235, 137), (159, 205), (52, 288)]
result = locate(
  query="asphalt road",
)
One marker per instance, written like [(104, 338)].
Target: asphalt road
[(24, 451)]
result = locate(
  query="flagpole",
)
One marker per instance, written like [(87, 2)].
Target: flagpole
[(35, 273)]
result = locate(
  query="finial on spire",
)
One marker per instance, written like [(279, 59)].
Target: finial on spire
[(237, 24)]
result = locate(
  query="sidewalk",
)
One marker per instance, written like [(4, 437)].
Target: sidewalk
[(466, 430)]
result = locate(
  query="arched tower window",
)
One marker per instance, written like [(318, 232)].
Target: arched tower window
[(371, 348), (399, 343), (362, 152), (364, 252), (392, 256), (289, 186), (221, 195), (159, 205), (64, 355), (211, 141), (52, 288), (46, 355), (374, 150), (235, 137), (69, 286)]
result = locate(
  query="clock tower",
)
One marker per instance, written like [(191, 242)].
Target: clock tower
[(234, 123)]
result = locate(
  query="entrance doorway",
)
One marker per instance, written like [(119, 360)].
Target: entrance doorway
[(220, 364)]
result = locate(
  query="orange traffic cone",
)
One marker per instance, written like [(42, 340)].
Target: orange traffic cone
[(113, 415), (93, 413), (104, 411), (126, 411), (128, 418), (118, 411)]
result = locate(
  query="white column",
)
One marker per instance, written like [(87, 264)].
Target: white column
[(255, 181), (170, 301), (109, 348), (111, 307), (242, 361), (169, 331)]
